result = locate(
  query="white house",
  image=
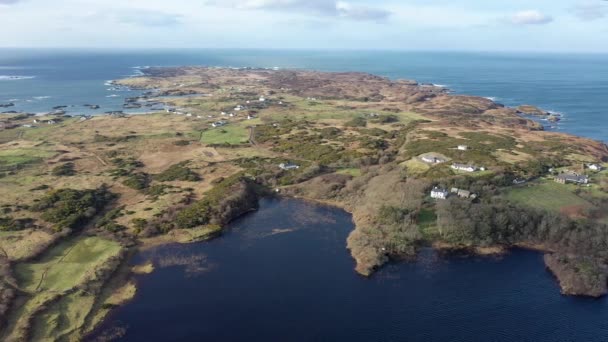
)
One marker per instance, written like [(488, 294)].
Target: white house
[(288, 166), (189, 115), (223, 113), (463, 147), (262, 99), (51, 122), (250, 117), (595, 167), (439, 193), (219, 124), (464, 167)]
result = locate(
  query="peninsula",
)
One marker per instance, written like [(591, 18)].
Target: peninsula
[(415, 165)]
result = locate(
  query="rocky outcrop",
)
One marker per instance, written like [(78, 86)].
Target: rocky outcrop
[(579, 276), (532, 110)]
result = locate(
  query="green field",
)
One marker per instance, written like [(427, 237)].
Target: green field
[(15, 158), (230, 134), (355, 172), (53, 308), (546, 195), (66, 265)]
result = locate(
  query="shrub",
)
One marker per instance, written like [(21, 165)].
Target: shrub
[(356, 122), (69, 208), (137, 181), (178, 172), (66, 169)]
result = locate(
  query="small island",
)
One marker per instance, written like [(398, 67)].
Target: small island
[(415, 165)]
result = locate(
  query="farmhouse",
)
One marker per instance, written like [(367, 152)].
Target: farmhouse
[(288, 166), (219, 123), (439, 193), (595, 167), (464, 167), (566, 178)]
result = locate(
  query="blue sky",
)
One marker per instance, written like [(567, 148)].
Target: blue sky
[(479, 25)]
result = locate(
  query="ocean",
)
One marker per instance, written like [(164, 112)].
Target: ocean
[(574, 85)]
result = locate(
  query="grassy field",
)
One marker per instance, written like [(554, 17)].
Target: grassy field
[(18, 157), (547, 195), (230, 134), (54, 310), (427, 222), (66, 265)]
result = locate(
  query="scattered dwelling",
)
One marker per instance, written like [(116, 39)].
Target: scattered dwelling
[(36, 121), (464, 167), (595, 167), (189, 115), (223, 113), (51, 122), (518, 181), (432, 160), (439, 193), (566, 178), (250, 117), (288, 166), (239, 108), (28, 126), (262, 99), (463, 147), (463, 193), (231, 115), (219, 124)]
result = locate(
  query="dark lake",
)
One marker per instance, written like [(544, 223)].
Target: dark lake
[(283, 274)]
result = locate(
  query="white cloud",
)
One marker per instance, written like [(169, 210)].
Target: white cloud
[(147, 18), (530, 17), (339, 9)]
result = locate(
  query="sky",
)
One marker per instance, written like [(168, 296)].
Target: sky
[(457, 25)]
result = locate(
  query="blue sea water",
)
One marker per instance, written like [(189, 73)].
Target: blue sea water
[(283, 274), (574, 85)]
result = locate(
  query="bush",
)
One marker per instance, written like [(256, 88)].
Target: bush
[(182, 143), (178, 172), (10, 224), (66, 169), (356, 122), (137, 181), (69, 208)]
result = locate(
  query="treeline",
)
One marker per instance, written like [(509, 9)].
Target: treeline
[(498, 222), (230, 198), (71, 209)]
